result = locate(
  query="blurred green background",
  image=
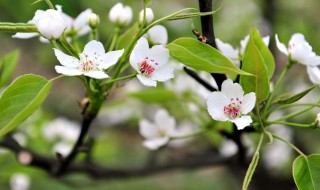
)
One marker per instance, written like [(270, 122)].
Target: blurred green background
[(121, 147)]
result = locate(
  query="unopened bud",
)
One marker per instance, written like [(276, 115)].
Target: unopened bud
[(93, 20), (120, 15), (149, 16), (317, 122)]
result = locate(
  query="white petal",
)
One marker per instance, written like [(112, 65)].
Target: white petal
[(22, 35), (66, 60), (232, 90), (67, 71), (96, 74), (312, 60), (158, 34), (110, 58), (298, 38), (139, 53), (165, 122), (216, 103), (93, 50), (147, 130), (146, 80), (243, 44), (154, 144), (242, 122), (266, 40), (159, 55), (248, 103), (163, 74), (281, 46), (81, 20), (314, 74), (227, 50)]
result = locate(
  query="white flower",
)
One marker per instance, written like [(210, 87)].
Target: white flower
[(93, 60), (235, 54), (79, 24), (158, 35), (151, 64), (299, 50), (61, 129), (149, 16), (158, 133), (231, 104), (49, 23), (120, 15), (19, 181), (62, 148), (228, 148), (314, 74), (93, 20)]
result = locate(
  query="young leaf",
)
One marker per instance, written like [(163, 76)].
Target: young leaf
[(253, 63), (21, 99), (250, 171), (7, 66), (154, 95), (265, 52), (202, 57), (296, 97), (126, 37), (306, 172)]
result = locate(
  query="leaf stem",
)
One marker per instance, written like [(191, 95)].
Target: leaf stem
[(290, 144), (283, 73), (312, 125), (49, 4), (116, 34), (118, 79)]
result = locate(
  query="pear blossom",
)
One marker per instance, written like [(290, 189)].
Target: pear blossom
[(19, 181), (149, 16), (299, 50), (93, 20), (158, 35), (93, 61), (151, 64), (120, 15), (50, 23), (79, 25), (158, 133), (235, 54), (231, 104)]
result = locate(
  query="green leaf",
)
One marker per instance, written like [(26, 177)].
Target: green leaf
[(21, 99), (265, 53), (202, 57), (154, 95), (254, 63), (306, 172), (296, 97), (126, 38), (7, 66)]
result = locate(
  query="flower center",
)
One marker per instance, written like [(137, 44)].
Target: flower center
[(145, 68), (88, 65), (233, 110)]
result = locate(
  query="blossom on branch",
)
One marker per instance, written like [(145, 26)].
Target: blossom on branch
[(158, 35), (120, 15), (149, 16), (151, 64), (93, 61), (231, 104), (299, 50)]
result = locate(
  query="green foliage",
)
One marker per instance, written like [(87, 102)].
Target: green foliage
[(155, 95), (7, 66), (21, 99), (202, 57), (296, 97), (126, 38), (306, 172), (258, 61)]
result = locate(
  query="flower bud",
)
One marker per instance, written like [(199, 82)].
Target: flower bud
[(120, 15), (93, 20), (149, 16), (50, 23), (317, 122)]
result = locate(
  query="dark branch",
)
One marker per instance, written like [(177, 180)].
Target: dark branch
[(196, 77)]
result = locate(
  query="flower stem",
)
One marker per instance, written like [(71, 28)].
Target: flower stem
[(94, 33), (312, 125), (116, 34), (49, 4), (290, 144), (67, 46), (283, 73), (295, 113), (118, 79)]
